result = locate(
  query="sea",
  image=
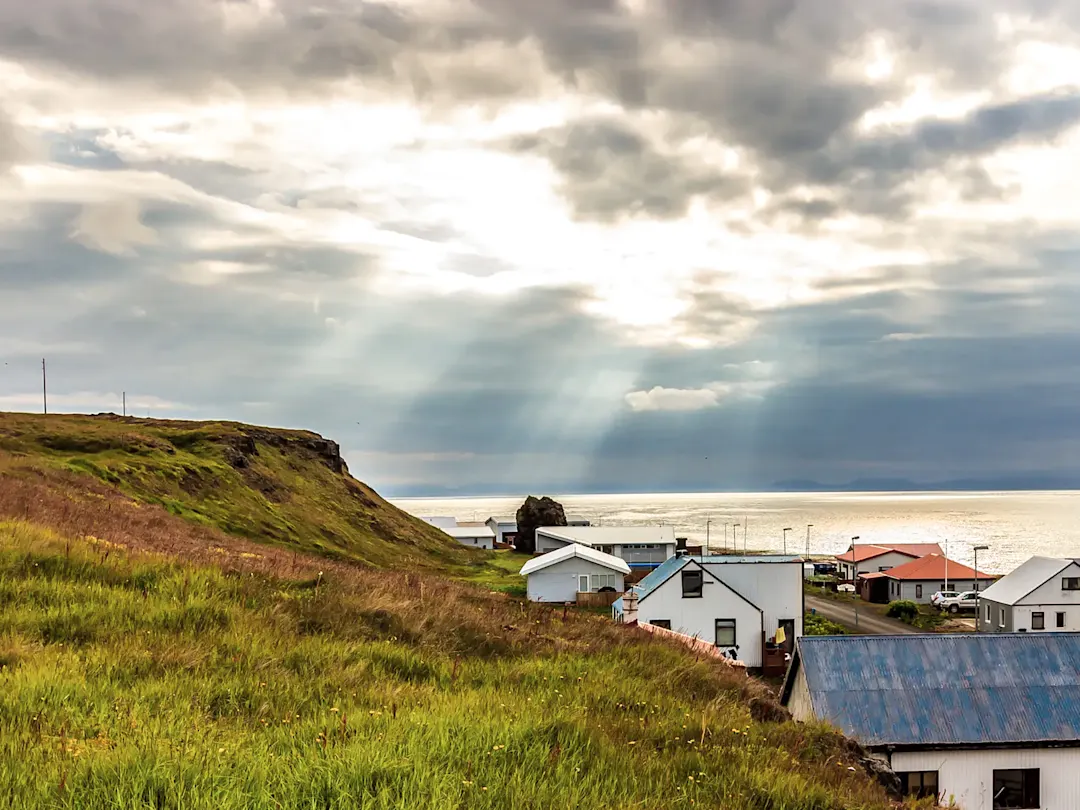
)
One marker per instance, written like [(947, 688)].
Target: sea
[(1014, 525)]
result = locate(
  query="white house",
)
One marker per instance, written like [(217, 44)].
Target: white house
[(639, 546), (920, 579), (866, 558), (730, 601), (1042, 594), (505, 528), (473, 536), (561, 574), (985, 721)]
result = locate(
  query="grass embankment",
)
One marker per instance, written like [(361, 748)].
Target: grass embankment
[(285, 487), (128, 679)]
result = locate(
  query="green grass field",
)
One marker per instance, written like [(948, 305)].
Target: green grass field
[(129, 680)]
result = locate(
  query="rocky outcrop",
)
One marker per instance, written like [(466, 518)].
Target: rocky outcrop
[(531, 515), (240, 449)]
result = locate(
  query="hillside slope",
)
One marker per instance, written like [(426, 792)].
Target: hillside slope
[(287, 487)]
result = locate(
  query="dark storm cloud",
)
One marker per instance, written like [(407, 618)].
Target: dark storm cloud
[(611, 170)]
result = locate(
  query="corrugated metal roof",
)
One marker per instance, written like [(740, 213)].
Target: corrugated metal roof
[(568, 552), (612, 535), (659, 575), (867, 551), (946, 689), (458, 532), (933, 567), (1023, 579)]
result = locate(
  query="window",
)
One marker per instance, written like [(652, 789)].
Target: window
[(603, 581), (664, 623), (921, 784), (725, 633), (883, 568), (1038, 621), (692, 582), (987, 614), (1061, 619), (918, 591), (1070, 583), (1016, 790), (1001, 618), (583, 583)]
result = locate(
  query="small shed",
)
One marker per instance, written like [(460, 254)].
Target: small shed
[(560, 575)]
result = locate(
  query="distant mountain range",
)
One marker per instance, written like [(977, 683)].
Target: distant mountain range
[(1006, 483)]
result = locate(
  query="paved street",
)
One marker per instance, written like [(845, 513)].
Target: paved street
[(869, 622)]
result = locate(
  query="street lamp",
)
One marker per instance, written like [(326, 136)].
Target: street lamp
[(735, 536), (978, 613), (788, 529), (809, 526), (855, 579), (707, 522)]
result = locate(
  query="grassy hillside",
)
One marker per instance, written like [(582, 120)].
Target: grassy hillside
[(128, 679), (285, 487), (170, 639)]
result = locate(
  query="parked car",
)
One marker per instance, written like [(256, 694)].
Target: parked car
[(967, 601), (937, 597)]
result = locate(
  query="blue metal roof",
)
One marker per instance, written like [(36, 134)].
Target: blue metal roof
[(659, 575), (927, 690)]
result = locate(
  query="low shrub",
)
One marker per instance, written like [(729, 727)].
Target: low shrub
[(903, 609)]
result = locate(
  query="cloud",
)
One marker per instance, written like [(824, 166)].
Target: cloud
[(113, 227), (673, 399), (577, 244)]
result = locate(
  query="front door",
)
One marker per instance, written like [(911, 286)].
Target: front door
[(789, 634)]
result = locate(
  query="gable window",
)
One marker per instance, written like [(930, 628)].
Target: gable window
[(987, 614), (664, 623), (1038, 621), (1070, 583), (918, 591), (1001, 618), (1016, 789), (920, 784), (1061, 619), (692, 584), (725, 633)]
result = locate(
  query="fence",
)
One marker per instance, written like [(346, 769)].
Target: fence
[(603, 599)]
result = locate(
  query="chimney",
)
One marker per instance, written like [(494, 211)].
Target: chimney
[(630, 600)]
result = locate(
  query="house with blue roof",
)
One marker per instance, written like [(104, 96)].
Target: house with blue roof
[(736, 602), (986, 721)]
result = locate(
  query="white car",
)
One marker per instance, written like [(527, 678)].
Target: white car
[(937, 597), (967, 602)]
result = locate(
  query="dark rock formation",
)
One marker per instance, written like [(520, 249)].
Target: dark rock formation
[(878, 768), (531, 515)]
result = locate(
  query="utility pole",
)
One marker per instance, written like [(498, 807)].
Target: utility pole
[(809, 526), (745, 524), (788, 529), (125, 403), (978, 614), (735, 537), (707, 522), (44, 389), (855, 579)]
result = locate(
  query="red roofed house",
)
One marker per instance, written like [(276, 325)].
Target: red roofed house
[(871, 558), (920, 579)]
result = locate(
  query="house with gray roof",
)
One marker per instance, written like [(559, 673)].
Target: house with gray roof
[(985, 721), (1041, 595), (737, 603)]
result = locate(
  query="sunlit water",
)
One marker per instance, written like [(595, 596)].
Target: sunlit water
[(1014, 525)]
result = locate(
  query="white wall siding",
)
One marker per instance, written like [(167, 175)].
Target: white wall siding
[(545, 543), (908, 588), (484, 541), (559, 582), (776, 588), (968, 776), (1050, 592), (697, 617), (890, 559)]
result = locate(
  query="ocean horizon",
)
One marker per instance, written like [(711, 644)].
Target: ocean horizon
[(1015, 524)]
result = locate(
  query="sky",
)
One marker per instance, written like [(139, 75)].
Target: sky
[(568, 245)]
